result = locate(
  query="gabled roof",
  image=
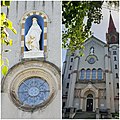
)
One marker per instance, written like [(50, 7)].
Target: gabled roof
[(98, 40)]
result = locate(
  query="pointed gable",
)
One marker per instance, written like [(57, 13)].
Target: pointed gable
[(95, 40)]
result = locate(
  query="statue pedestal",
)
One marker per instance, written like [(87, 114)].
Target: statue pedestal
[(33, 54)]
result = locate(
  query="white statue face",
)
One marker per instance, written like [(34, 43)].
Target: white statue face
[(34, 19)]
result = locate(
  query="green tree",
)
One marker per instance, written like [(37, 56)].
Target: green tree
[(78, 17), (5, 24)]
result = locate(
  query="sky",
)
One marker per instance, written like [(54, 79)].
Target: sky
[(100, 30)]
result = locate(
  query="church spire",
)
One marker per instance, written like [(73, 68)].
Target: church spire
[(112, 36), (111, 27)]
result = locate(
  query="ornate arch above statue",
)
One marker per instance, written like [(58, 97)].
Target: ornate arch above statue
[(34, 34)]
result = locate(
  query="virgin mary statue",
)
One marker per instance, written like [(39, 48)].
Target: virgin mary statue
[(33, 36)]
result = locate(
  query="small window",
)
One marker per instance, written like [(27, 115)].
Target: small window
[(117, 75), (66, 93), (99, 74), (115, 66), (88, 74), (67, 85), (113, 39), (82, 74), (93, 74), (118, 94), (63, 105), (68, 76), (71, 59), (70, 67), (114, 53), (118, 85), (115, 59)]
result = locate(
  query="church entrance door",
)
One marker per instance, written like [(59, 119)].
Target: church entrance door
[(89, 106)]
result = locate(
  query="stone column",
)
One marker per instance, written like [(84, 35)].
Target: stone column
[(107, 78), (73, 78), (112, 94), (96, 103), (81, 103), (97, 113), (72, 110), (111, 88), (96, 99), (109, 114)]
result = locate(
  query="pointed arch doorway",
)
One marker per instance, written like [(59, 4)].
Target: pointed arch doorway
[(86, 98), (89, 103)]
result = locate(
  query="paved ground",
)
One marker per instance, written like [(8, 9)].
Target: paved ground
[(85, 115)]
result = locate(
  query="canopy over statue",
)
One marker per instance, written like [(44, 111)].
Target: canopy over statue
[(33, 36)]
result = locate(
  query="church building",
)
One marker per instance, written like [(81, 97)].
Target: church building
[(91, 83), (32, 87)]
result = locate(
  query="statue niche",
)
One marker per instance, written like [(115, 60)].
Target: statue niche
[(33, 36)]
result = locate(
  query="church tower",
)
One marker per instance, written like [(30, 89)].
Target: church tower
[(112, 38)]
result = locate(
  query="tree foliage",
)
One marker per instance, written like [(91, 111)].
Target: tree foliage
[(5, 3), (78, 17), (5, 24)]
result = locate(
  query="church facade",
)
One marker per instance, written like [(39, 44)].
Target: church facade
[(91, 82), (32, 87)]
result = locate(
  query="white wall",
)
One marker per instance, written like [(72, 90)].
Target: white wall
[(98, 51)]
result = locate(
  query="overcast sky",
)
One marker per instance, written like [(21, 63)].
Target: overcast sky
[(100, 30)]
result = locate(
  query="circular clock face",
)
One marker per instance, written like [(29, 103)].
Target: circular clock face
[(91, 60), (33, 91)]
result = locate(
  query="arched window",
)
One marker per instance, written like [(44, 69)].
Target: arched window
[(93, 74), (115, 66), (88, 74), (113, 38), (82, 75), (99, 74)]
